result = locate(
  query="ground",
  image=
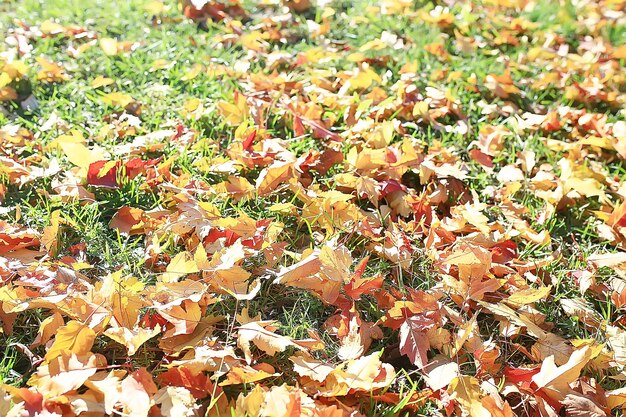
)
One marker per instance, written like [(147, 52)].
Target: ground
[(321, 208)]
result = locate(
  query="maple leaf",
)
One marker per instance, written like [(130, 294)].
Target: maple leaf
[(578, 405), (50, 238), (117, 99), (364, 374), (198, 384), (65, 373), (237, 113), (466, 391), (127, 220), (264, 339), (440, 372), (185, 317), (108, 386), (51, 72), (176, 402), (137, 390), (311, 368), (323, 271), (278, 401), (80, 155), (14, 238), (103, 174), (554, 380), (359, 285), (132, 338), (272, 176), (224, 271), (182, 264), (414, 341), (48, 328), (248, 374), (74, 337)]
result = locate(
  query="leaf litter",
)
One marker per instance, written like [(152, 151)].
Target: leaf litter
[(458, 231)]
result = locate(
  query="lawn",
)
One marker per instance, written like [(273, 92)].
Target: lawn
[(331, 208)]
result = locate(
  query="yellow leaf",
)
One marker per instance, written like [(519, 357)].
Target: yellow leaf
[(243, 226), (528, 296), (48, 328), (51, 28), (51, 72), (200, 257), (117, 99), (51, 233), (74, 337), (246, 375), (193, 72), (159, 64), (74, 136), (101, 81), (80, 155), (268, 341), (155, 7), (237, 113), (283, 208), (108, 165), (132, 338), (363, 374), (181, 265), (224, 271), (109, 46), (368, 187), (309, 367), (466, 391), (5, 79), (184, 317)]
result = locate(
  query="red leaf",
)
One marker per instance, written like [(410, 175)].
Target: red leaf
[(14, 238), (414, 341), (520, 375), (481, 158), (391, 186), (199, 385), (137, 166), (215, 234), (150, 320), (108, 180), (504, 252), (359, 285), (247, 143)]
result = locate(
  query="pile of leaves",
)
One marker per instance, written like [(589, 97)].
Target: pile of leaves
[(347, 231)]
